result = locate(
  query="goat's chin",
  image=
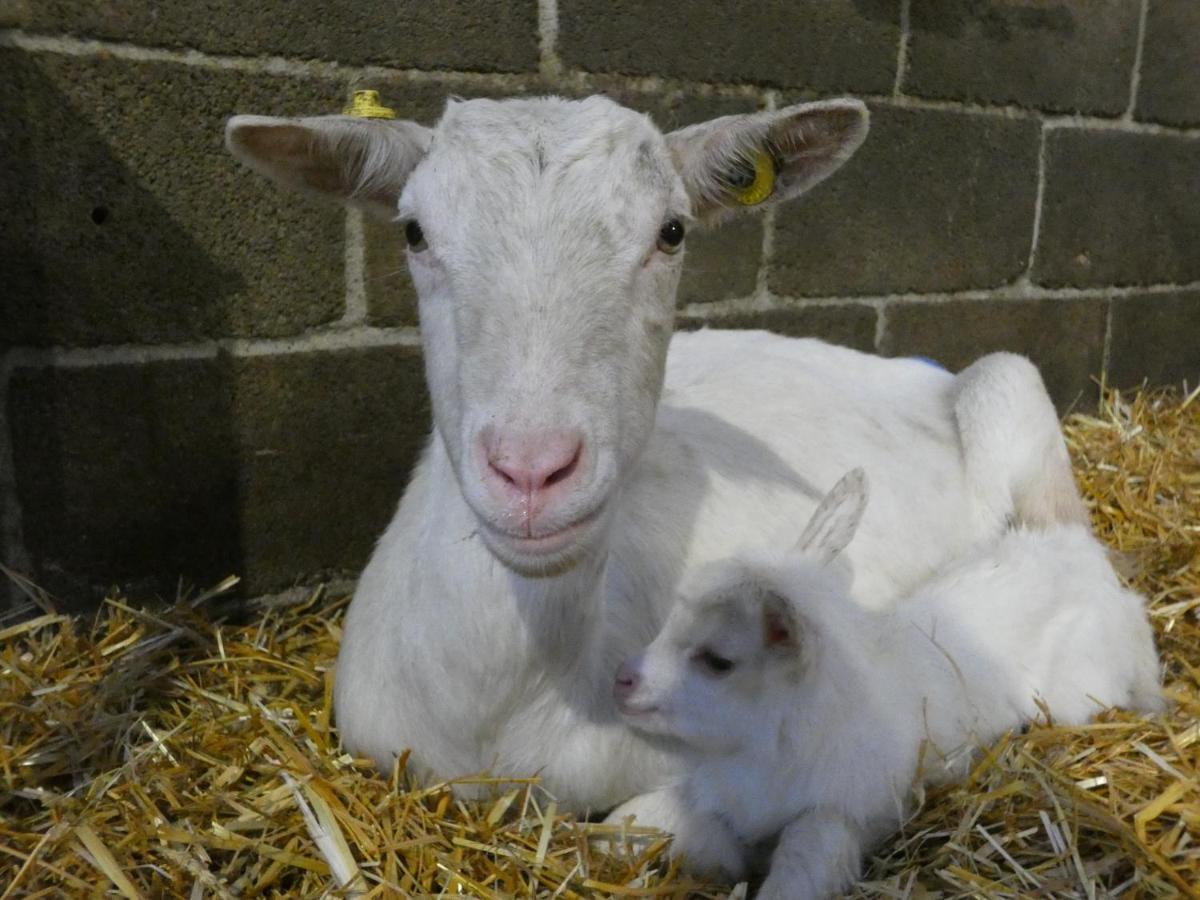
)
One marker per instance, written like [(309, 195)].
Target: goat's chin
[(648, 721), (548, 556), (666, 722)]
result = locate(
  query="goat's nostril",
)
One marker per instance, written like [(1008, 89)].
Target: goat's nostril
[(626, 680), (500, 471), (565, 472)]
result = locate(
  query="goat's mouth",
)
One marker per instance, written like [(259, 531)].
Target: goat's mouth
[(636, 711), (648, 718), (546, 553), (552, 541)]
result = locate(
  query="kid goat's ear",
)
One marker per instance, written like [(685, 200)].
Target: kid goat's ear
[(360, 162), (740, 162), (781, 628), (836, 518)]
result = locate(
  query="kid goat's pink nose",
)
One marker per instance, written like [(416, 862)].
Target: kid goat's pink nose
[(627, 680), (529, 464)]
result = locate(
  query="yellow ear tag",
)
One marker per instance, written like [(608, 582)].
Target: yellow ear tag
[(763, 185), (366, 105)]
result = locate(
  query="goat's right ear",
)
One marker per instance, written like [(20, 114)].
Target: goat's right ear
[(836, 518), (361, 162)]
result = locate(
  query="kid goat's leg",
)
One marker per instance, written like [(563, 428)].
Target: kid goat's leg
[(818, 854), (708, 846)]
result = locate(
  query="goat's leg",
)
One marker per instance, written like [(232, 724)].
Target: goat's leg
[(818, 854), (706, 843)]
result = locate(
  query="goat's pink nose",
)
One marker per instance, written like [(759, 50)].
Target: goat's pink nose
[(627, 680), (530, 464)]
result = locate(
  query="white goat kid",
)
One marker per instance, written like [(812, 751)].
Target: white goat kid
[(559, 502), (806, 714)]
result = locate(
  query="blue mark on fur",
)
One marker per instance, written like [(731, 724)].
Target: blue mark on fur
[(928, 362)]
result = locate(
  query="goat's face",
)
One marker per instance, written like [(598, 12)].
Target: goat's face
[(722, 665), (732, 659), (545, 241)]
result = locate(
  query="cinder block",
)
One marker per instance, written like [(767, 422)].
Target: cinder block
[(674, 107), (391, 297), (851, 324), (1155, 338), (326, 444), (14, 13), (1071, 55), (825, 45), (933, 201), (1065, 338), (722, 262), (1119, 209), (271, 467), (1169, 89), (126, 220), (484, 35), (126, 474)]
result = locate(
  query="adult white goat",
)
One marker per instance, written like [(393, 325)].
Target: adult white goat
[(559, 502)]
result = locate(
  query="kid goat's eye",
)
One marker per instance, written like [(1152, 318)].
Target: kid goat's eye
[(414, 235), (713, 662), (670, 236)]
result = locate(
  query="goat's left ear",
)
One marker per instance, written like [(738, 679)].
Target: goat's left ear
[(781, 625), (748, 161)]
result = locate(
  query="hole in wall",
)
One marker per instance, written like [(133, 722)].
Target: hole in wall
[(99, 214)]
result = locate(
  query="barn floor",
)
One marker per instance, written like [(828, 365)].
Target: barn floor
[(155, 754)]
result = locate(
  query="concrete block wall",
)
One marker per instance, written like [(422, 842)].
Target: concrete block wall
[(201, 375)]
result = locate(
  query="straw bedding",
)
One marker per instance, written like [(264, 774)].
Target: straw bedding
[(157, 754)]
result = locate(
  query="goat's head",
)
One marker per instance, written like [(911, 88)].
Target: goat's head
[(544, 239)]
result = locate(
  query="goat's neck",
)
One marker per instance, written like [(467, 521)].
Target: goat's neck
[(560, 616)]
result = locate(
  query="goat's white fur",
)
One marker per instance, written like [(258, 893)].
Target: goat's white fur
[(831, 712), (544, 304)]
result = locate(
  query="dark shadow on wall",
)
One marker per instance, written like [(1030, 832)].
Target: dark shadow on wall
[(1000, 22), (120, 469), (90, 256), (124, 471), (887, 11)]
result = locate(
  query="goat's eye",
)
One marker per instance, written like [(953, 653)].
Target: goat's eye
[(713, 663), (414, 235), (670, 236)]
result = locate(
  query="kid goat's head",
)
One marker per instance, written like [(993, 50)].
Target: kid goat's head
[(729, 661), (545, 240)]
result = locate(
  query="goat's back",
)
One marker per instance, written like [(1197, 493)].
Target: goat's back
[(754, 428)]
